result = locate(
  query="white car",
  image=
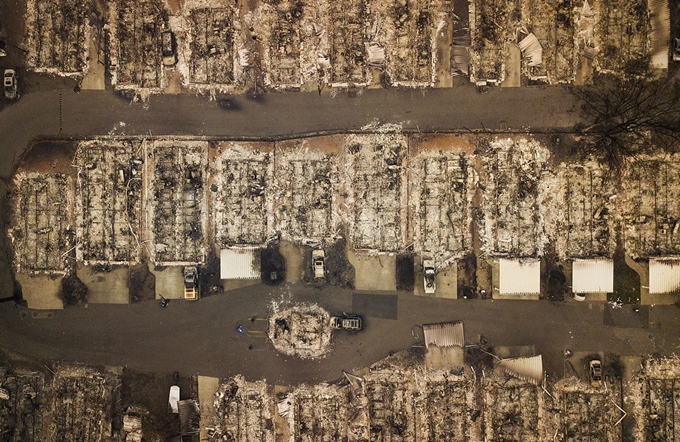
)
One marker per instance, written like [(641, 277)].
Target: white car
[(429, 275), (10, 84)]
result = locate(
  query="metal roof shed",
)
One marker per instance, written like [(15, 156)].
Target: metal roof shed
[(519, 276), (664, 275), (240, 263), (592, 276), (444, 334)]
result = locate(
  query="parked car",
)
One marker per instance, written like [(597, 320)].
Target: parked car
[(595, 373), (346, 321), (10, 83), (676, 49), (429, 275), (3, 47), (168, 48), (318, 264)]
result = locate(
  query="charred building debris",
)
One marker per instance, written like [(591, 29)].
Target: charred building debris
[(109, 180), (212, 47), (302, 330), (58, 34), (126, 200), (135, 46), (71, 403), (375, 169), (652, 212), (444, 184), (42, 232), (398, 399), (292, 45), (308, 194), (177, 201), (243, 176)]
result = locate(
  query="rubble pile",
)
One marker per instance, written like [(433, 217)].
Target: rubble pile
[(135, 49), (622, 31), (21, 418), (653, 394), (241, 201), (177, 200), (491, 27), (442, 190), (242, 412), (302, 330), (375, 168), (588, 413), (317, 413), (406, 29), (74, 405), (41, 232), (514, 173), (587, 200), (210, 46), (108, 201), (306, 194), (346, 59), (79, 404), (58, 36), (513, 409), (652, 213)]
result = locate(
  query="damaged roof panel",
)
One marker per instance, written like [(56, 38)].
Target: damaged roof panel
[(531, 50), (444, 334), (526, 369)]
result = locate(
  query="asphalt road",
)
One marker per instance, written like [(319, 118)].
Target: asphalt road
[(201, 337)]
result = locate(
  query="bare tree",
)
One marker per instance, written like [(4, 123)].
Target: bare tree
[(624, 116)]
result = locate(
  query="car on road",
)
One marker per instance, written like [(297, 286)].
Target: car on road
[(346, 321), (168, 48), (429, 275), (3, 48), (595, 370), (676, 49), (10, 84), (318, 264)]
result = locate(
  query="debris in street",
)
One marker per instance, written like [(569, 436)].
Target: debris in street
[(302, 330)]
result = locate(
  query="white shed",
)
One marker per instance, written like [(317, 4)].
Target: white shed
[(519, 277), (593, 276), (241, 263), (664, 275)]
